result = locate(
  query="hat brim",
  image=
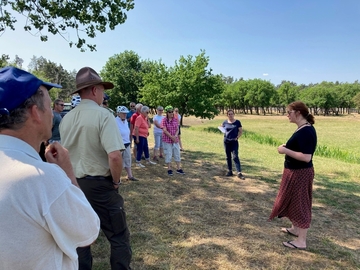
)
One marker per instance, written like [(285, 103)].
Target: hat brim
[(51, 85), (107, 85)]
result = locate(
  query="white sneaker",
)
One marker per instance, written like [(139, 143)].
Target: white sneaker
[(151, 162), (138, 164)]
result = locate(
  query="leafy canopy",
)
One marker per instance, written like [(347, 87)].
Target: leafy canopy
[(60, 16)]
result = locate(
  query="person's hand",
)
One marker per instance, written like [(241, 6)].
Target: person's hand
[(281, 149), (59, 155), (137, 141)]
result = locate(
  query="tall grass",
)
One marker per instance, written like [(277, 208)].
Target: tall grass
[(321, 150)]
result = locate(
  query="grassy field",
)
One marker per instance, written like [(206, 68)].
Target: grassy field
[(203, 220)]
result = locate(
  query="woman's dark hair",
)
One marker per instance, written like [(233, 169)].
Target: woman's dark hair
[(230, 110), (303, 109)]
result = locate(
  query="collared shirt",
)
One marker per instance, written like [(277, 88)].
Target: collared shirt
[(142, 124), (90, 133), (171, 126), (39, 199)]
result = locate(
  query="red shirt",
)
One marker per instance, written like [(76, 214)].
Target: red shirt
[(133, 118)]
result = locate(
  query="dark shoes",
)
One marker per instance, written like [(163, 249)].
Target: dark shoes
[(133, 179), (170, 172), (180, 171), (239, 174)]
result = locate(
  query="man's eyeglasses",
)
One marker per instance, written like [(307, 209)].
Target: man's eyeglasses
[(289, 112), (160, 110), (132, 106), (62, 105)]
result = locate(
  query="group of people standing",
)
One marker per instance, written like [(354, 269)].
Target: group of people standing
[(134, 125), (82, 174)]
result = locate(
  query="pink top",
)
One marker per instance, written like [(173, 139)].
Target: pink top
[(142, 123), (171, 126)]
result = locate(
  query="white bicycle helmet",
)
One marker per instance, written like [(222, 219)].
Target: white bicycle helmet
[(121, 109), (75, 101)]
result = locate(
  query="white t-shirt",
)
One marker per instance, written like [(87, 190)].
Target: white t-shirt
[(44, 217), (158, 118), (124, 129)]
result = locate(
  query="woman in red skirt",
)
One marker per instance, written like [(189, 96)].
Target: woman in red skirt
[(294, 199)]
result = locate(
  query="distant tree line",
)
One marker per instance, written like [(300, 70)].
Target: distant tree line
[(191, 86), (260, 96)]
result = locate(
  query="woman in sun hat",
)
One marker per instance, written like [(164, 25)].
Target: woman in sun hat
[(294, 199)]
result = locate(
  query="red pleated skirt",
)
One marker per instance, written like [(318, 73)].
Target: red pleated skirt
[(294, 199)]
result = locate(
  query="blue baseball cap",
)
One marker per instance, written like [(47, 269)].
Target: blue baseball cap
[(16, 86)]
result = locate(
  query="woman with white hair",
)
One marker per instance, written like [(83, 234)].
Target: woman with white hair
[(140, 134), (158, 148)]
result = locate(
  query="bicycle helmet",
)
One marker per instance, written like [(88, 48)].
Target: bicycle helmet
[(122, 109), (169, 108), (75, 101)]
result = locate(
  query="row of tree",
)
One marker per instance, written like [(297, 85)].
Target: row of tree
[(191, 86)]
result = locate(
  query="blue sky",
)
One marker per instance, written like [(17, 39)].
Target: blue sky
[(303, 41)]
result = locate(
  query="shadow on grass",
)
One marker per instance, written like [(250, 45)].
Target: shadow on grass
[(204, 220)]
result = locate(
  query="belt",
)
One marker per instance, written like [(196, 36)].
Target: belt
[(97, 177)]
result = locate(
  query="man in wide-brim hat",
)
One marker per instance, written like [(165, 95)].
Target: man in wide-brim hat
[(88, 77), (94, 142)]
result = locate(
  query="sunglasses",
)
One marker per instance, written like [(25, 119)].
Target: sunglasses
[(132, 106), (62, 105), (170, 111)]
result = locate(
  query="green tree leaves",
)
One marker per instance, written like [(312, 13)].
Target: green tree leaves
[(124, 71), (61, 16), (189, 86)]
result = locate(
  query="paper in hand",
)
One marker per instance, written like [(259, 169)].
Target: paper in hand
[(222, 129)]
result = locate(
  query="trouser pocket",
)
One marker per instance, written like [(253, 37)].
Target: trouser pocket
[(118, 221)]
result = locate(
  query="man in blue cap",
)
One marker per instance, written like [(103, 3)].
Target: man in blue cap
[(42, 200)]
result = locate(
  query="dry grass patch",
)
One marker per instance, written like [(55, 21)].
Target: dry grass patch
[(203, 220)]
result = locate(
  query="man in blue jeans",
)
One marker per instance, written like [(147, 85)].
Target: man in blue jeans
[(94, 142)]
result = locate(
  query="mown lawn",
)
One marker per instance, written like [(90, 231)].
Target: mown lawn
[(203, 220)]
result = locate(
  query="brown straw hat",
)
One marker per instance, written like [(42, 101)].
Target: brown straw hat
[(87, 77)]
